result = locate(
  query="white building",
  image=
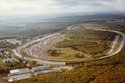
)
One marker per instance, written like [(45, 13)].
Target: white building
[(1, 51), (40, 68), (24, 73), (43, 69), (19, 74), (19, 77), (19, 71), (7, 60)]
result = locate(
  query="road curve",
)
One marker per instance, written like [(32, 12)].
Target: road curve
[(47, 62), (114, 44), (121, 44), (39, 61)]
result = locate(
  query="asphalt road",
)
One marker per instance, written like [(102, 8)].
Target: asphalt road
[(114, 44), (121, 44), (17, 52)]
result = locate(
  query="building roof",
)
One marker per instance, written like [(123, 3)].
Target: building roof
[(40, 68), (14, 71), (19, 71), (1, 50), (19, 77), (8, 60)]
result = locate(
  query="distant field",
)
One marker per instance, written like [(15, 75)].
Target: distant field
[(19, 30)]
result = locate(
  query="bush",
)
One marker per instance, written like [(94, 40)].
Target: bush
[(79, 55)]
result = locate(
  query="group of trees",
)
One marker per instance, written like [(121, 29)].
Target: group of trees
[(6, 44), (80, 55), (53, 52), (4, 68)]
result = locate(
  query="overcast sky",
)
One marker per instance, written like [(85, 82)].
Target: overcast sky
[(45, 7)]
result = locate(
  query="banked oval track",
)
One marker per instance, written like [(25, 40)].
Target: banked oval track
[(51, 62)]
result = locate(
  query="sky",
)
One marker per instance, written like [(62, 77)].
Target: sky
[(48, 7)]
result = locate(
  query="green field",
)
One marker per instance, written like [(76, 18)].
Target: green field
[(81, 45), (1, 62)]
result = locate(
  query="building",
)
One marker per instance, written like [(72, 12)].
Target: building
[(8, 60), (19, 74), (40, 68), (19, 71), (24, 73), (43, 69), (19, 77), (1, 51), (46, 71)]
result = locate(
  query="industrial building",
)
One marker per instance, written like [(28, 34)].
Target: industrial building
[(18, 74)]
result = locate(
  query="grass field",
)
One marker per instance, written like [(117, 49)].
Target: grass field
[(87, 42), (1, 62), (68, 54)]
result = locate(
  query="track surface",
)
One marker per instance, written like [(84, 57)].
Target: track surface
[(17, 51)]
